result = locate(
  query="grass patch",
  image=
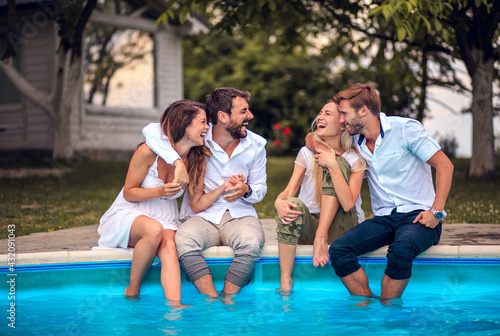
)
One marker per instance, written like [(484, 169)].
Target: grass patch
[(44, 204)]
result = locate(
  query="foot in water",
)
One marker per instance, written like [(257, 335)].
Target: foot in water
[(131, 295), (286, 288)]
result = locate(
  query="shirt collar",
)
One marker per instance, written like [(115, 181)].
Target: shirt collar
[(384, 124)]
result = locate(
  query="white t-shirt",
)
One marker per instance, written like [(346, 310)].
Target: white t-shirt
[(305, 159)]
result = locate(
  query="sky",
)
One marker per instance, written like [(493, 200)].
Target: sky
[(443, 123)]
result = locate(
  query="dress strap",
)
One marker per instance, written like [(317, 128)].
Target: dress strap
[(154, 168)]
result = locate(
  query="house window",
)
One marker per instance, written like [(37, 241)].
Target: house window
[(9, 94), (118, 67)]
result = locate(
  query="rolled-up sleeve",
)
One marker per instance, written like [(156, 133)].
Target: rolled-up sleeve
[(418, 140), (159, 143), (257, 177)]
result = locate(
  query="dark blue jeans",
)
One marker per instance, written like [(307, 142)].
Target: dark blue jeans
[(405, 239)]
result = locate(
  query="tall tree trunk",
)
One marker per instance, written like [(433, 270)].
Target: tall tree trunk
[(65, 91), (482, 163), (423, 88)]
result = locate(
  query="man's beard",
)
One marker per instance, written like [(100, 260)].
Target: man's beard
[(356, 127), (236, 131)]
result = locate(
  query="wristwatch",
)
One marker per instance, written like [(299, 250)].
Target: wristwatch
[(249, 192), (439, 215)]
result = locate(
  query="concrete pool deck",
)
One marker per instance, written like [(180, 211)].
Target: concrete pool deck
[(75, 245)]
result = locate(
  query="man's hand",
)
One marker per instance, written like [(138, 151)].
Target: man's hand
[(285, 212), (235, 188), (427, 219), (320, 251), (181, 175)]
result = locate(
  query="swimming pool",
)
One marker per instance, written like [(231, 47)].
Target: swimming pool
[(445, 297)]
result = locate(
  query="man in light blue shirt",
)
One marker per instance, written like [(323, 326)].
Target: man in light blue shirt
[(408, 213)]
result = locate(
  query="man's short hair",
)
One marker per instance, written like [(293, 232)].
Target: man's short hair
[(358, 95), (221, 99)]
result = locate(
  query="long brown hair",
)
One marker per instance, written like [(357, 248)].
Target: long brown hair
[(174, 121)]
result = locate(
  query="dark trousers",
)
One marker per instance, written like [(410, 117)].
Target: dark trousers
[(405, 239)]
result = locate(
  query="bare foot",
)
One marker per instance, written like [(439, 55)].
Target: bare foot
[(363, 304), (227, 298), (131, 295), (320, 252), (286, 287), (174, 304)]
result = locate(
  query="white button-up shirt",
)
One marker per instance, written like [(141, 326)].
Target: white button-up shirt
[(398, 175), (248, 158)]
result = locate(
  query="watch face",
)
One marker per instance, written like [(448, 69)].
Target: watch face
[(438, 215)]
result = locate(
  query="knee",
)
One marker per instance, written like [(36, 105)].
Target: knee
[(403, 250), (339, 248), (186, 243), (295, 200), (154, 234), (167, 249), (251, 246)]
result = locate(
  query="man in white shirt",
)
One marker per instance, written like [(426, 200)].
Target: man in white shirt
[(408, 213), (231, 219)]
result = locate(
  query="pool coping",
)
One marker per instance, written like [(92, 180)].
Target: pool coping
[(215, 252)]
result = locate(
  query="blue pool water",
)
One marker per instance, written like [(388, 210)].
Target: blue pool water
[(458, 297)]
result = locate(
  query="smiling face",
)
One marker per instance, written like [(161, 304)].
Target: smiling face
[(350, 118), (197, 129), (239, 118), (328, 121)]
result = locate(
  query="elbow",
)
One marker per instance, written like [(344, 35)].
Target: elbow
[(348, 207), (127, 196), (196, 209)]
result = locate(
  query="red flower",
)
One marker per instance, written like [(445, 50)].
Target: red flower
[(277, 126), (287, 130), (277, 142)]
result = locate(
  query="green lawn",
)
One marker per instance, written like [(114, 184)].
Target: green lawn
[(78, 198)]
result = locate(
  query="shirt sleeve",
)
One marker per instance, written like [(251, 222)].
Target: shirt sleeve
[(257, 177), (159, 143), (301, 158), (418, 140)]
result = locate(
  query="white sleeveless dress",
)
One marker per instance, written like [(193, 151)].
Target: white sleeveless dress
[(116, 223)]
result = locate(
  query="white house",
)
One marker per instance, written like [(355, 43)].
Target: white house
[(99, 131)]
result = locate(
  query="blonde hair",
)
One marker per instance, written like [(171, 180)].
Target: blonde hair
[(347, 144)]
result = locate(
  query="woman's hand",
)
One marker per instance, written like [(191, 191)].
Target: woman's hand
[(170, 189), (326, 159), (235, 188), (285, 210)]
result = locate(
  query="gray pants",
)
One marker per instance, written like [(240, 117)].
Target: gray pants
[(244, 235)]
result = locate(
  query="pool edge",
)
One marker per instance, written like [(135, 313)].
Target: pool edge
[(445, 251)]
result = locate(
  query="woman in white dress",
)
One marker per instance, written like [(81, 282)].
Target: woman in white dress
[(144, 215), (319, 215)]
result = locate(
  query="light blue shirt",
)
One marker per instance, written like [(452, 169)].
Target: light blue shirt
[(248, 158), (397, 171)]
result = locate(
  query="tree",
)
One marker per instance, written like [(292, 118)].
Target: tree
[(422, 36), (464, 30), (71, 17), (287, 89)]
